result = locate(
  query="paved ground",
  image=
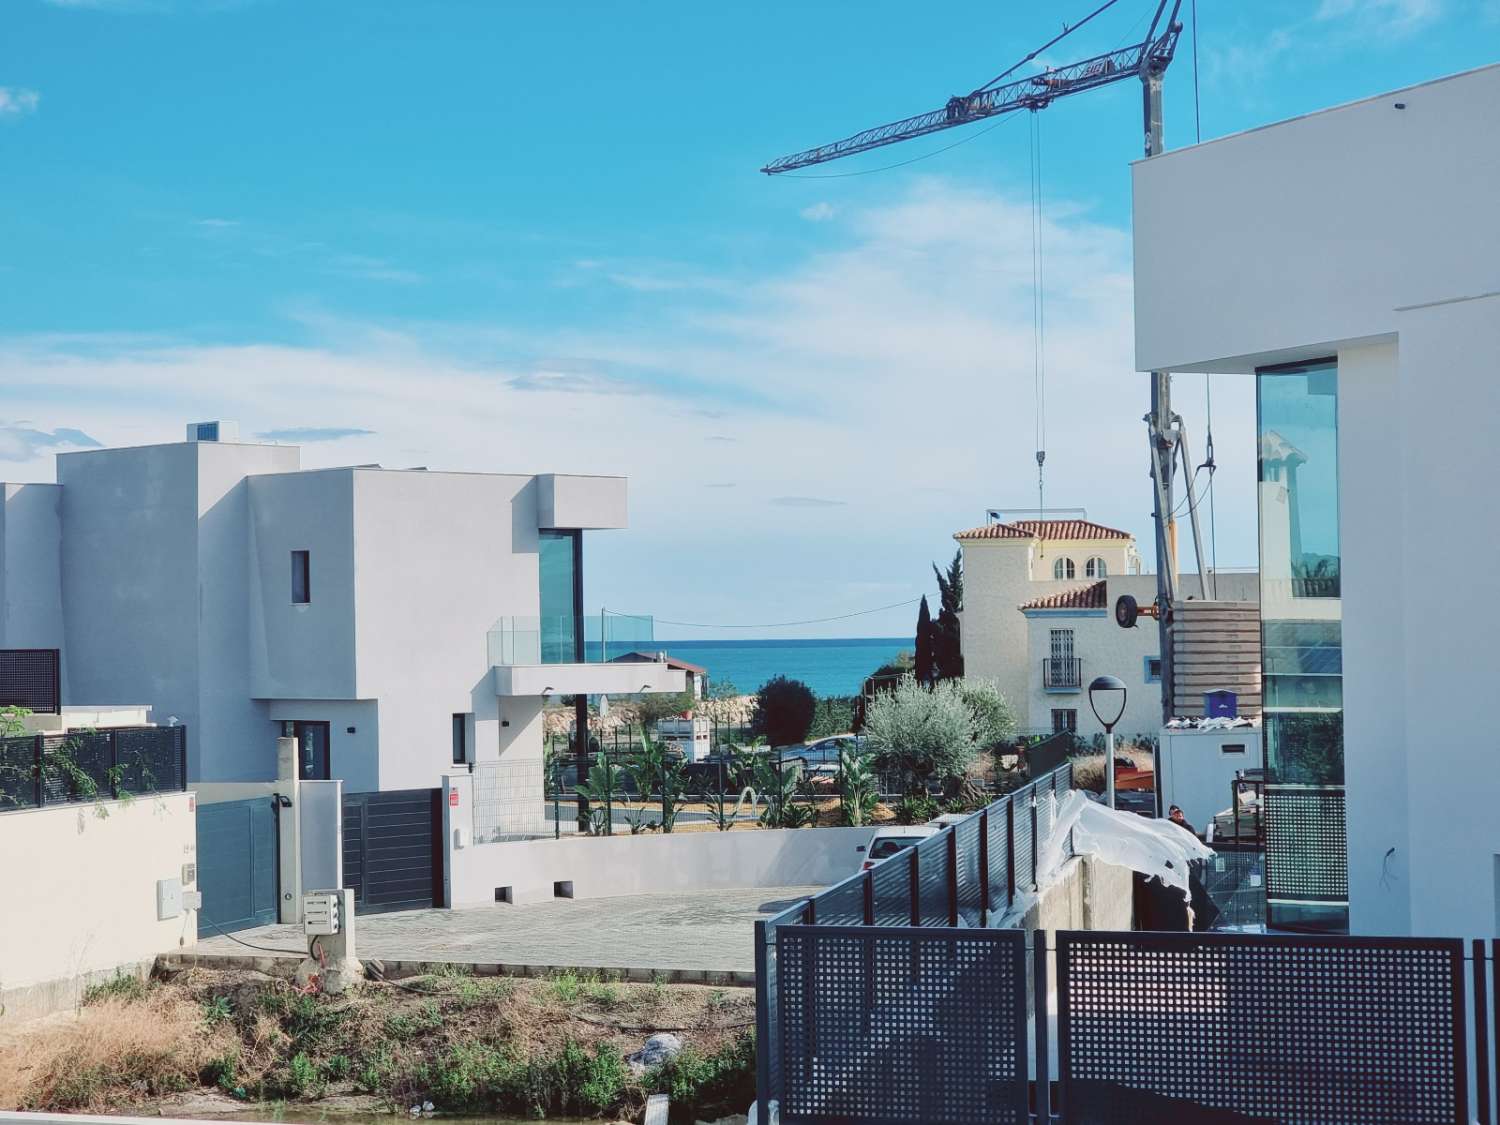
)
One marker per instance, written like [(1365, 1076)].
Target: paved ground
[(709, 931)]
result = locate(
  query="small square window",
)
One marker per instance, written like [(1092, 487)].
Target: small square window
[(1153, 669), (1064, 719), (301, 578)]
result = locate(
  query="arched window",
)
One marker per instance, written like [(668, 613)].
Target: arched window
[(1095, 568), (1063, 568)]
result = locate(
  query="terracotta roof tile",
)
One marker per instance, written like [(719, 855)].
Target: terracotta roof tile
[(1044, 529), (1092, 596)]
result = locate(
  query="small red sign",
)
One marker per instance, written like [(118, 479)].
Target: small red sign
[(453, 798)]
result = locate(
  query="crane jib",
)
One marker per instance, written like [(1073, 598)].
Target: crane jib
[(1034, 92)]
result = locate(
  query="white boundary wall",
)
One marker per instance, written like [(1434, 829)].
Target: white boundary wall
[(611, 866), (80, 895)]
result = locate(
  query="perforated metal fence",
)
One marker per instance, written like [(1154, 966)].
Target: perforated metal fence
[(1307, 853), (91, 765), (964, 878), (881, 1024), (1162, 1026), (30, 678)]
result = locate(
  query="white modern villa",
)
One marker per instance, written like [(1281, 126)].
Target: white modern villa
[(1349, 262), (1038, 619), (398, 623)]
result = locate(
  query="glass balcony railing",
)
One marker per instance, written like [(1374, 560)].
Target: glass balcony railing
[(554, 640)]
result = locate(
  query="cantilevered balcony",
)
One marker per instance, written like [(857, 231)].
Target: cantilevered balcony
[(543, 656)]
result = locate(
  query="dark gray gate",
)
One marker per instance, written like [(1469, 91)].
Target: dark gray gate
[(237, 865), (902, 1024), (1250, 1028), (393, 854)]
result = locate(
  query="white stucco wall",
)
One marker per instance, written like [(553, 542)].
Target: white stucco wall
[(439, 557), (570, 501), (1232, 237), (993, 632), (1370, 233), (1103, 649), (611, 866), (80, 890)]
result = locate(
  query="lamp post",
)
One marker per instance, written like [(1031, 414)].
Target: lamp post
[(1108, 693)]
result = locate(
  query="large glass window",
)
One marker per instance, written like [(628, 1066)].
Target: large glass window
[(561, 595), (1301, 646)]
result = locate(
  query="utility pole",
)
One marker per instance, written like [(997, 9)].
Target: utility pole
[(1162, 440)]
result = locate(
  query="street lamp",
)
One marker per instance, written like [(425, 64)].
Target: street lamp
[(1108, 693)]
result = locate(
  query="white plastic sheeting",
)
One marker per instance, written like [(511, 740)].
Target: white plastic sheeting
[(1155, 848)]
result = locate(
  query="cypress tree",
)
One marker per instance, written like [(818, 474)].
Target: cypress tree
[(925, 638), (947, 652)]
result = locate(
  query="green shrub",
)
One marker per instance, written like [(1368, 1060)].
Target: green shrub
[(708, 1086), (409, 1025), (566, 985), (121, 986), (914, 809), (217, 1010), (602, 993)]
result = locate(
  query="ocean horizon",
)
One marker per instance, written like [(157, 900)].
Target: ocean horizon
[(828, 665)]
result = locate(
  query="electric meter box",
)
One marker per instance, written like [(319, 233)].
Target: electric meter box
[(320, 913)]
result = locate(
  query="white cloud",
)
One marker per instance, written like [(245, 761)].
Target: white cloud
[(1398, 16), (893, 373), (819, 212), (16, 101)]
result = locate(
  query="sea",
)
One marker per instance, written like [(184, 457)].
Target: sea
[(830, 666)]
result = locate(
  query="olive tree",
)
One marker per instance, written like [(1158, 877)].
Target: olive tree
[(933, 733)]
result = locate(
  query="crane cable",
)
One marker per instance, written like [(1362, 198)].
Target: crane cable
[(1208, 389), (1067, 30), (1038, 313)]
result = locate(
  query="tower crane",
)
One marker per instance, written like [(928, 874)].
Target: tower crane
[(1147, 61)]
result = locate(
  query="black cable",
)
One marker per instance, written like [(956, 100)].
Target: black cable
[(250, 945)]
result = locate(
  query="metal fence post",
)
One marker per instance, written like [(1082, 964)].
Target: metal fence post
[(37, 769), (112, 770), (1039, 1022), (1033, 839), (916, 889), (1481, 1038), (764, 1048), (869, 898), (984, 867), (952, 876), (1010, 851)]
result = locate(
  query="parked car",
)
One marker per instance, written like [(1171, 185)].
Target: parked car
[(889, 841), (823, 751)]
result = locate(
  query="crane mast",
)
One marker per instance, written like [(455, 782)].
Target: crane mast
[(1147, 60)]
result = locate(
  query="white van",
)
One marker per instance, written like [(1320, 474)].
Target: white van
[(893, 839)]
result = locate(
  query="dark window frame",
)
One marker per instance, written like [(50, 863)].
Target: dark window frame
[(301, 577), (460, 738)]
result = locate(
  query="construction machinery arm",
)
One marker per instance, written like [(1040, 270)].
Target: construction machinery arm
[(1035, 92)]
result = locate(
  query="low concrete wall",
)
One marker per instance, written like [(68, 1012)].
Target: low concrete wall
[(79, 887), (610, 866)]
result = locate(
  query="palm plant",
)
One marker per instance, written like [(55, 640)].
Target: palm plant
[(658, 769), (857, 790)]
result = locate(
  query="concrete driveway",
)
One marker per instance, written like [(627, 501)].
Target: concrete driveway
[(706, 935)]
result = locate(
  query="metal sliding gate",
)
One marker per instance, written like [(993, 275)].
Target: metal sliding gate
[(393, 853), (237, 865)]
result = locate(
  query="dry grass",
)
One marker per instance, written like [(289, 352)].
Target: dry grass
[(152, 1046)]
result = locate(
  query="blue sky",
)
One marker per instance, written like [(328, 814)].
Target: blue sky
[(532, 237)]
